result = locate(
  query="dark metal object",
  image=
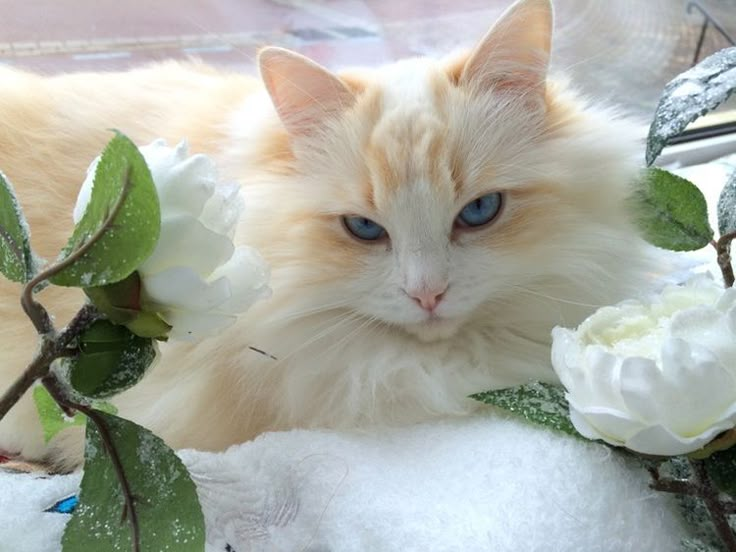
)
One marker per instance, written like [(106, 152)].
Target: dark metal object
[(708, 19)]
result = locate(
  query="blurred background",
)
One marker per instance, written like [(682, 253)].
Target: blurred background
[(618, 50)]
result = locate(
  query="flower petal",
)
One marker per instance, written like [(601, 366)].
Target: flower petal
[(582, 426), (85, 191), (191, 326), (661, 441), (247, 274), (222, 212), (699, 389), (181, 288), (185, 241), (188, 186), (613, 426)]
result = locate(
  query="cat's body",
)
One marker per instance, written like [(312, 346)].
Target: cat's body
[(407, 146)]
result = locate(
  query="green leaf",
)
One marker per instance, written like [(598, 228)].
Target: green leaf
[(539, 403), (111, 360), (168, 510), (727, 207), (721, 467), (124, 211), (671, 212), (52, 417), (121, 303), (690, 95), (16, 258)]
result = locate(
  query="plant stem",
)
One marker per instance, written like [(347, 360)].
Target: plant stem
[(53, 346), (723, 252), (35, 311), (38, 368), (57, 391), (701, 486), (710, 496)]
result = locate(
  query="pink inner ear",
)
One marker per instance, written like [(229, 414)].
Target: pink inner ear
[(514, 54), (305, 94)]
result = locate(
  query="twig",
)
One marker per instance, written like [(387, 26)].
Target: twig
[(676, 486), (723, 252), (52, 347), (35, 311), (702, 487), (710, 496), (56, 390)]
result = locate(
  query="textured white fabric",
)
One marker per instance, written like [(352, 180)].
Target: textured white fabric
[(474, 484)]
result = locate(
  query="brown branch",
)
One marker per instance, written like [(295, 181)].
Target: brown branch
[(711, 497), (52, 347), (35, 311), (56, 390), (702, 487), (723, 252)]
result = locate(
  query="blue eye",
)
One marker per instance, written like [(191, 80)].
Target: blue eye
[(480, 211), (364, 228)]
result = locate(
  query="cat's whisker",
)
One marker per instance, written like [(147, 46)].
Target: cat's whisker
[(350, 335), (556, 299), (289, 316), (334, 323)]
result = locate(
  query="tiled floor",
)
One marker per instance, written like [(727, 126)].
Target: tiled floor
[(621, 50)]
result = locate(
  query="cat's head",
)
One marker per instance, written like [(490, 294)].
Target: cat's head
[(422, 193)]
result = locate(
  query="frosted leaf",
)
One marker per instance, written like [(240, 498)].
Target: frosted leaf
[(727, 206), (122, 179), (17, 261), (671, 212), (690, 95), (169, 514), (540, 403), (111, 359)]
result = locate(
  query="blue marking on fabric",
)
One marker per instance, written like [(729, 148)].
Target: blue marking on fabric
[(64, 506)]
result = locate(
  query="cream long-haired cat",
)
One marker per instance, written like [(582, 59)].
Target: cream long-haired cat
[(427, 224)]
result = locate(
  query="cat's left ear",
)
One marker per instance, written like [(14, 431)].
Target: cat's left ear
[(514, 54), (305, 94)]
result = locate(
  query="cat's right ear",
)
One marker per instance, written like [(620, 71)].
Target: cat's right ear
[(514, 53), (304, 93)]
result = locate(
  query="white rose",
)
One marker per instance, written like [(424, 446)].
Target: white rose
[(195, 279), (657, 378)]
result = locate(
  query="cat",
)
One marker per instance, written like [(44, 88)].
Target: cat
[(427, 223)]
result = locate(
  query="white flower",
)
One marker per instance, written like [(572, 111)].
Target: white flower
[(195, 279), (657, 378)]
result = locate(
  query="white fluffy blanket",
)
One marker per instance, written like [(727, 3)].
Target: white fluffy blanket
[(485, 483)]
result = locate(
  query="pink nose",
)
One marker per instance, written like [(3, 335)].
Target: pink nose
[(428, 299)]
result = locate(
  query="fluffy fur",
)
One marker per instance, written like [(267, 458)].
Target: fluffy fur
[(407, 145)]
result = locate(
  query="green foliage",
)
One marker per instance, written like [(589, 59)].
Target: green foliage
[(671, 212), (16, 258), (123, 211), (539, 403), (121, 303), (111, 360), (167, 507), (690, 95), (52, 417), (727, 207), (721, 468)]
